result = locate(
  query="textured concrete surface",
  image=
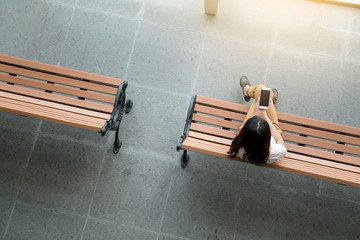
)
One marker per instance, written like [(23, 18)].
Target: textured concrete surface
[(58, 182)]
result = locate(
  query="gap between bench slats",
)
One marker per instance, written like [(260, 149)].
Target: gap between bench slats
[(57, 88), (57, 98), (58, 79), (51, 112), (55, 105), (60, 70)]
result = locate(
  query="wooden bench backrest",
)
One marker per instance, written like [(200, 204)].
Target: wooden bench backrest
[(215, 121), (59, 85)]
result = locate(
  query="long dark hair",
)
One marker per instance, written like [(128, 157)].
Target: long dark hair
[(254, 137)]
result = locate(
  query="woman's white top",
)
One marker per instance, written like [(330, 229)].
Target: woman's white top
[(277, 151)]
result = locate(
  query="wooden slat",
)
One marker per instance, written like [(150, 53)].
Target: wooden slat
[(204, 147), (43, 115), (319, 124), (292, 147), (60, 70), (285, 164), (57, 88), (216, 121), (210, 138), (321, 144), (322, 154), (55, 105), (51, 112), (212, 130), (58, 79), (319, 133), (306, 160), (283, 126), (323, 162), (282, 116), (222, 104), (220, 149), (219, 113), (312, 170), (57, 98)]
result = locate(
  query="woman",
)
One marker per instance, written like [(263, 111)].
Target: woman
[(259, 139)]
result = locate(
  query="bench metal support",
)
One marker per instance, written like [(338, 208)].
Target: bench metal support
[(120, 106), (185, 158)]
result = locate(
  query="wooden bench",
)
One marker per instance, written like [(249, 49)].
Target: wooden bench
[(63, 96), (316, 149)]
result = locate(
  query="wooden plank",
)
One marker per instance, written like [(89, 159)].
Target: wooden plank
[(322, 154), (210, 138), (212, 130), (216, 121), (16, 109), (319, 133), (302, 160), (311, 170), (60, 70), (282, 116), (55, 105), (58, 79), (57, 88), (323, 162), (221, 150), (219, 113), (51, 112), (306, 169), (321, 144), (222, 104), (57, 98), (199, 146), (319, 124)]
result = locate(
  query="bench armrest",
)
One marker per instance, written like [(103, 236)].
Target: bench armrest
[(187, 122), (118, 110)]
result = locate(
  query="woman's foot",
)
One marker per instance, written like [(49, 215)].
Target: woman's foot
[(276, 95), (243, 83)]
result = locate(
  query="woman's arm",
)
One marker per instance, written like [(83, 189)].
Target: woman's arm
[(274, 132)]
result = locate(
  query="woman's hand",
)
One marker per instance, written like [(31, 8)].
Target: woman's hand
[(259, 112)]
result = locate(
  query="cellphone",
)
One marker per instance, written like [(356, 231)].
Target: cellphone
[(265, 94)]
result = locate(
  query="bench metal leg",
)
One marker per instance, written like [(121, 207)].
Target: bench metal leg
[(184, 159), (117, 142), (128, 106)]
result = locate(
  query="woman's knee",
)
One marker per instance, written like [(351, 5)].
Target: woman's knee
[(258, 89)]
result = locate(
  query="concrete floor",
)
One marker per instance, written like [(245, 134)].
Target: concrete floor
[(62, 183)]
